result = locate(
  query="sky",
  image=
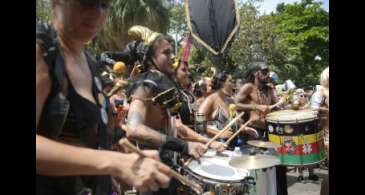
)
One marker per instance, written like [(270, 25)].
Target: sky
[(268, 6)]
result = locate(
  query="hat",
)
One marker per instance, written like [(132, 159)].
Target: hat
[(143, 33)]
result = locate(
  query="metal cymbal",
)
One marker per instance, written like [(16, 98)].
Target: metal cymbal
[(263, 144), (258, 161)]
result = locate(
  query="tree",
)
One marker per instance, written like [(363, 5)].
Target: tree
[(304, 30), (123, 14), (43, 10), (291, 41), (177, 20)]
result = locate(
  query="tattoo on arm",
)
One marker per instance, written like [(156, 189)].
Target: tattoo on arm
[(135, 118), (141, 132)]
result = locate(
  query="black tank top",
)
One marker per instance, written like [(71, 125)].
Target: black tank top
[(82, 120), (81, 126), (72, 117)]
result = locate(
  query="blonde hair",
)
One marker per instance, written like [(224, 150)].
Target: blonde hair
[(324, 79)]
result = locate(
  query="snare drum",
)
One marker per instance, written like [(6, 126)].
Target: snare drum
[(217, 177), (298, 134), (215, 174)]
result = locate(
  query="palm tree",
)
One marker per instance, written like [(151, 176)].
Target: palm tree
[(125, 13)]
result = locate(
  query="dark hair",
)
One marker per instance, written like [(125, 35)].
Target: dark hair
[(218, 80), (199, 88), (250, 76)]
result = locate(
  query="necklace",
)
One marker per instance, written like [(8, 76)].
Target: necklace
[(262, 97)]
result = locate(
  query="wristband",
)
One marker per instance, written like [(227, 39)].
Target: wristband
[(176, 145)]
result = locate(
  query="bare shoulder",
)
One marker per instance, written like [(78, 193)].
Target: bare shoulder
[(142, 92), (141, 98), (211, 98), (207, 105), (246, 88)]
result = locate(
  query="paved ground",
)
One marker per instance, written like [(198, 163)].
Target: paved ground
[(305, 187)]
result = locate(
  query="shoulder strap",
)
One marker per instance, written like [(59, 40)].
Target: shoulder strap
[(56, 108), (46, 36)]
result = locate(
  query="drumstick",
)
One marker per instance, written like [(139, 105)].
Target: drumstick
[(282, 99), (224, 129), (176, 175), (219, 134), (238, 131)]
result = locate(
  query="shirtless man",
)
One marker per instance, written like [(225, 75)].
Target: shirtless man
[(255, 97)]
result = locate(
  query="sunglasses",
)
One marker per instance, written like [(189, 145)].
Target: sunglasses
[(232, 80), (265, 72)]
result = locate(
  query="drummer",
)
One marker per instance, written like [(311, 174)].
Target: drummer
[(216, 106), (320, 102), (255, 97), (185, 119)]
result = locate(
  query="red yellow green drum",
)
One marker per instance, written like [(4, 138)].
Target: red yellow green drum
[(302, 143)]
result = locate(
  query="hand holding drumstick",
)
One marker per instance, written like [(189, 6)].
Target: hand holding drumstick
[(124, 142), (227, 127), (242, 128)]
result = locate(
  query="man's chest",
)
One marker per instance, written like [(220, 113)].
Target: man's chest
[(260, 97)]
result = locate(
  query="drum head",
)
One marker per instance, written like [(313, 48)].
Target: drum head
[(216, 167), (291, 116)]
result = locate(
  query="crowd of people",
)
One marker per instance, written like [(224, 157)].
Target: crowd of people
[(149, 97)]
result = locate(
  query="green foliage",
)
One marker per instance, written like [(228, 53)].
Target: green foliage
[(43, 10), (123, 14), (288, 40), (305, 35)]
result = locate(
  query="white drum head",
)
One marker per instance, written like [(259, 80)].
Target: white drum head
[(217, 167), (291, 116)]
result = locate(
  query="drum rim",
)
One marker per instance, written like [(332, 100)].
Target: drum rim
[(274, 119), (291, 121), (212, 180), (187, 168)]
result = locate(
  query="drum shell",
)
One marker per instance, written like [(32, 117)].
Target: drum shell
[(217, 185), (265, 181), (302, 142)]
